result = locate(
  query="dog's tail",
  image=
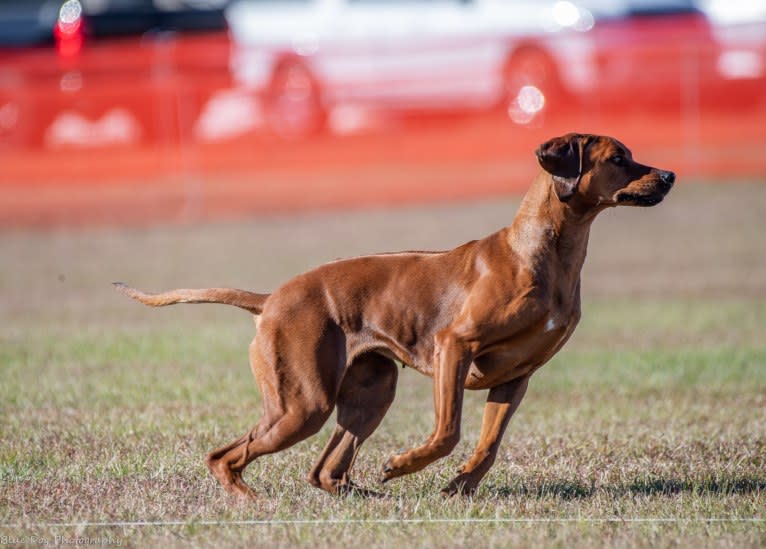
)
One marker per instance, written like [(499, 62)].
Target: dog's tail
[(228, 296)]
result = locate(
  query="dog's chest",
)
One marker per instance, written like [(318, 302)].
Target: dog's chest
[(523, 353)]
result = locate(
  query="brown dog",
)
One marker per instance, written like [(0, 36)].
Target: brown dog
[(485, 315)]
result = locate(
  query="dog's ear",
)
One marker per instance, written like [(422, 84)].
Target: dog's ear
[(562, 157)]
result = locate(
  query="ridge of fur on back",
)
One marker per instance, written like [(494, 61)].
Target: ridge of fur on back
[(249, 301)]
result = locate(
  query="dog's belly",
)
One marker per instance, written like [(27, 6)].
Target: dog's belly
[(498, 363), (501, 362)]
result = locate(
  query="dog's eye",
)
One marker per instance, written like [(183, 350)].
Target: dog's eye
[(618, 160)]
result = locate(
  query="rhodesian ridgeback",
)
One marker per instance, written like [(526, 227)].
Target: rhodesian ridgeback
[(485, 315)]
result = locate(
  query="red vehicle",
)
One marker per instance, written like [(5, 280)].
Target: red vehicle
[(120, 77), (140, 76), (671, 57)]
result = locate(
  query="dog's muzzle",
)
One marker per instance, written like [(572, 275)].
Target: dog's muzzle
[(654, 195)]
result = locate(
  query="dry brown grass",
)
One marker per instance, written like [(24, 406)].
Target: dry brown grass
[(647, 429)]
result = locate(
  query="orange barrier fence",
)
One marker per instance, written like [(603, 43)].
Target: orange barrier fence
[(170, 137)]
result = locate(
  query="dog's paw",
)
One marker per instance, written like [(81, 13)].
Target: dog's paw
[(231, 481), (459, 486), (391, 469)]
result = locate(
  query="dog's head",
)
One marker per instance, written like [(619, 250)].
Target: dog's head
[(595, 171)]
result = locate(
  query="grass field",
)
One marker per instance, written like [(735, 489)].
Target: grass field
[(648, 428)]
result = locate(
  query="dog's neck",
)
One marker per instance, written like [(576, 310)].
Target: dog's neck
[(546, 227)]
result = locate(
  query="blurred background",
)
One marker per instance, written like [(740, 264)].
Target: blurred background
[(198, 143), (135, 111)]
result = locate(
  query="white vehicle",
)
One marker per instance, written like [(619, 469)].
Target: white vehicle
[(308, 59)]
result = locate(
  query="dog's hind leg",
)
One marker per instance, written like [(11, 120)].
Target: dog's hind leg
[(366, 392), (267, 437), (298, 397)]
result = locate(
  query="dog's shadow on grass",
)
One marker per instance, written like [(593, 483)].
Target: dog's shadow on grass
[(575, 489)]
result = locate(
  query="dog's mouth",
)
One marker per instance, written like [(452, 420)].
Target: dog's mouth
[(650, 197), (633, 199)]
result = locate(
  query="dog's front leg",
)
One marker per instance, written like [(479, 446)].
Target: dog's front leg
[(452, 360), (502, 402)]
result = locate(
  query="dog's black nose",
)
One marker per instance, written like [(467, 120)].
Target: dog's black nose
[(668, 177)]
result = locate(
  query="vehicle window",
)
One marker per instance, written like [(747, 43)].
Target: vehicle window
[(410, 1), (279, 1), (655, 7), (26, 22)]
